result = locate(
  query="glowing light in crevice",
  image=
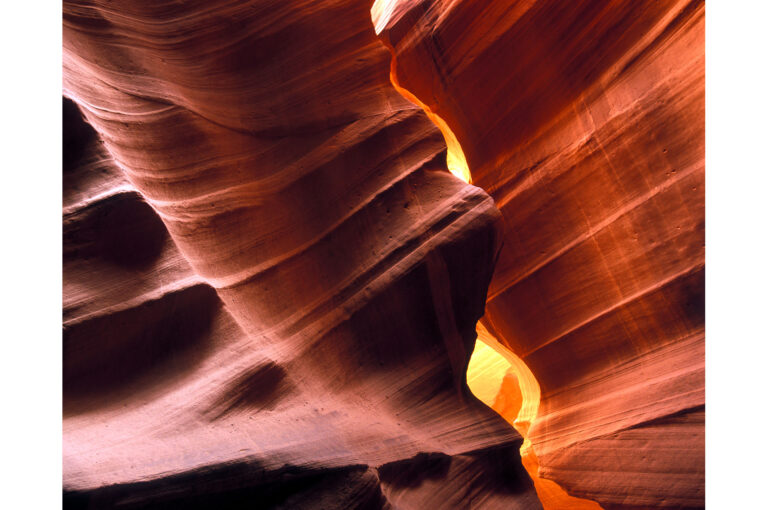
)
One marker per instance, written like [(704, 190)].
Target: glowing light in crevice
[(455, 159), (495, 375), (503, 382)]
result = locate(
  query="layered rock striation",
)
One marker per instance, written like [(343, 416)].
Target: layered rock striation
[(272, 284), (271, 280), (585, 122)]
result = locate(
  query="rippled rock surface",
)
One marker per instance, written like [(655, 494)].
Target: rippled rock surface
[(272, 282), (585, 123)]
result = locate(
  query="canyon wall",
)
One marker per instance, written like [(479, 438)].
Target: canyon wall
[(271, 281), (585, 123)]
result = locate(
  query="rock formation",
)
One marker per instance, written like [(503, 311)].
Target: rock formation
[(272, 282), (584, 121)]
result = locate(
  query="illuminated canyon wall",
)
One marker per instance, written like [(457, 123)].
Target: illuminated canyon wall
[(584, 121), (272, 282)]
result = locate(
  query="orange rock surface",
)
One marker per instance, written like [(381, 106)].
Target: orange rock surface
[(272, 283), (585, 122)]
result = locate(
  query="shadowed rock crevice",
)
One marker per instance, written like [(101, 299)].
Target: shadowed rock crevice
[(259, 389), (122, 229), (130, 351), (77, 135), (491, 478), (242, 486), (413, 472)]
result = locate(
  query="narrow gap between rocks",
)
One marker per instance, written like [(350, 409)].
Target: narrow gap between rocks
[(495, 375)]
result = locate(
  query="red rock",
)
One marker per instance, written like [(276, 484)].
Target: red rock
[(585, 122), (271, 283), (295, 181)]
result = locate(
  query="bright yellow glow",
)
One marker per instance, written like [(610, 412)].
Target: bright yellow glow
[(381, 11), (455, 159), (503, 382), (486, 372)]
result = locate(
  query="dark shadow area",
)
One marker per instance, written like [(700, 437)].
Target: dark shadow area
[(260, 388), (77, 135), (502, 470), (245, 485), (121, 229), (411, 473), (488, 478), (87, 167), (692, 296), (129, 232), (119, 355)]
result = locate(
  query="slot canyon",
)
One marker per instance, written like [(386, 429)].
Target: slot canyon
[(402, 254)]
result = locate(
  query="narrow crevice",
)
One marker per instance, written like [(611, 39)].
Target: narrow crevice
[(495, 375)]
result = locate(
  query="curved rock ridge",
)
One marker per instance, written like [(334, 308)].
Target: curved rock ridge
[(585, 122), (274, 286)]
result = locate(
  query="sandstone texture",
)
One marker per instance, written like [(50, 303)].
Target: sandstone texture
[(270, 275), (585, 123), (272, 282)]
